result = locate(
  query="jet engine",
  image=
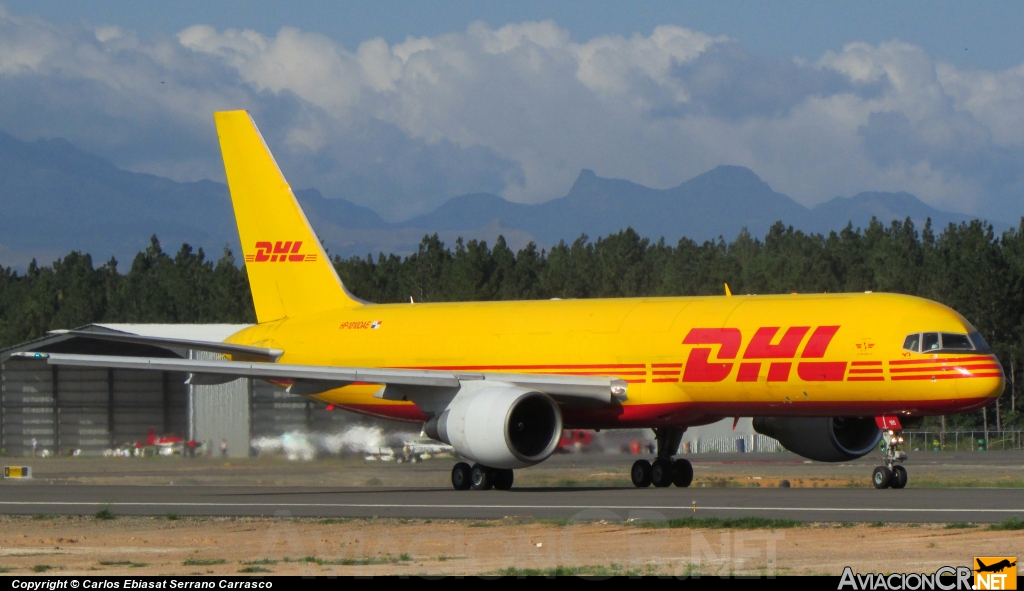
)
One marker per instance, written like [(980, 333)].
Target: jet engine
[(824, 439), (500, 426)]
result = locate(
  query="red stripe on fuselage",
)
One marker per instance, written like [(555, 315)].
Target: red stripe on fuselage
[(947, 376), (699, 413), (974, 358), (957, 367)]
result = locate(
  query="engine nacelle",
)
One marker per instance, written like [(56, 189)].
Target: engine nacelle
[(500, 426), (825, 439)]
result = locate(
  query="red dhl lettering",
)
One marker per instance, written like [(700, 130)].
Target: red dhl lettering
[(700, 367), (760, 346), (282, 251)]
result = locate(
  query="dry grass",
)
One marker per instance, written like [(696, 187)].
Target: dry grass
[(156, 546)]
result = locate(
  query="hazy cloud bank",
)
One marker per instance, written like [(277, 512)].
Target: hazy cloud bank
[(519, 110)]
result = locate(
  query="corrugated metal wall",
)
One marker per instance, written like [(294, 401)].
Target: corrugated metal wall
[(99, 409), (27, 401), (95, 409), (274, 411), (84, 408), (220, 414)]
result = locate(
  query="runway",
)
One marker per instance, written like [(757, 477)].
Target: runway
[(613, 504)]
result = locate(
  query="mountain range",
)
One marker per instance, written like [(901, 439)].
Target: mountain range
[(55, 198)]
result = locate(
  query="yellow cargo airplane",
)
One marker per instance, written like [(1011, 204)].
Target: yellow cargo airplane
[(826, 375)]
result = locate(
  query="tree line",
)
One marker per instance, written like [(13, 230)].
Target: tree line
[(968, 267)]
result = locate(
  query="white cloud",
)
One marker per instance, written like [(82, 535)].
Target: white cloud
[(520, 109)]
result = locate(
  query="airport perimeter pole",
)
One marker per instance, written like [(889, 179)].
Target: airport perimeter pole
[(984, 418)]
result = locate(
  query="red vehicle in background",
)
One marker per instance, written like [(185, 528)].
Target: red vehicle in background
[(160, 441), (574, 440)]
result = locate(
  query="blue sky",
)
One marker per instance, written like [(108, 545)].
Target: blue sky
[(400, 106)]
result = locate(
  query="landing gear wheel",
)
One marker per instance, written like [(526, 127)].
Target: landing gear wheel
[(482, 477), (682, 473), (640, 473), (899, 477), (503, 479), (661, 472), (461, 476), (881, 477)]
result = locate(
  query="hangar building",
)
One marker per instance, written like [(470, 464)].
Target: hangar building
[(92, 410)]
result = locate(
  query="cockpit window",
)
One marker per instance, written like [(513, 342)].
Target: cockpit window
[(933, 342), (956, 342), (979, 343)]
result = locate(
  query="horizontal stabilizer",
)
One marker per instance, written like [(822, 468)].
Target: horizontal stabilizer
[(213, 347)]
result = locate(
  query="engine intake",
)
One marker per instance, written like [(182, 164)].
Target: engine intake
[(500, 426), (825, 439)]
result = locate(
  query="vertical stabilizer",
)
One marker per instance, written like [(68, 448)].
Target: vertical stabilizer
[(289, 272)]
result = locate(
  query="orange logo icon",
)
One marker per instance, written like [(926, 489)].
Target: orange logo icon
[(995, 572)]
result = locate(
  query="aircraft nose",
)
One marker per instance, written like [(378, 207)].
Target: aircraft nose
[(981, 380)]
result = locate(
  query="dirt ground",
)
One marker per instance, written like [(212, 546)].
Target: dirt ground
[(266, 546)]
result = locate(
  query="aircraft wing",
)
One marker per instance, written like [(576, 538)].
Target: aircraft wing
[(225, 348), (315, 379)]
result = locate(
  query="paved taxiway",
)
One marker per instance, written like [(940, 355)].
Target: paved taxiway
[(908, 505), (331, 488)]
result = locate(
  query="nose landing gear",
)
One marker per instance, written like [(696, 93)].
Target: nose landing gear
[(664, 471), (891, 475)]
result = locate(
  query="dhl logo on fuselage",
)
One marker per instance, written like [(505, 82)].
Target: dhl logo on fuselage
[(279, 252), (699, 367), (768, 357), (781, 356)]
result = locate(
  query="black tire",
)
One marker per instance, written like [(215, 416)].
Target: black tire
[(682, 473), (482, 477), (661, 472), (461, 476), (503, 479), (899, 477), (881, 477), (640, 473)]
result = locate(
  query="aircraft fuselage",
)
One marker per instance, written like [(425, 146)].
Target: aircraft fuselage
[(687, 361)]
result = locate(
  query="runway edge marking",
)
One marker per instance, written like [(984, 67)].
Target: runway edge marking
[(578, 507)]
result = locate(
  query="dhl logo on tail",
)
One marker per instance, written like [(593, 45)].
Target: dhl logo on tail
[(279, 252)]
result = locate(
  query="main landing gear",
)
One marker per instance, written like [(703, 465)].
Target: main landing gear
[(891, 475), (664, 471), (480, 477)]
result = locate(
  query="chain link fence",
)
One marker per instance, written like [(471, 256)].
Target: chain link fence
[(916, 440), (748, 443), (934, 440)]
